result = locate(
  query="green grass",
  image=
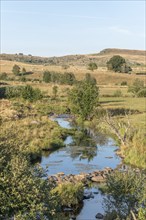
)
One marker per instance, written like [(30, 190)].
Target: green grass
[(139, 118), (124, 102), (135, 152)]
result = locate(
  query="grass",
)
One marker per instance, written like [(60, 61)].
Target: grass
[(17, 113), (102, 76), (137, 119), (125, 102), (135, 152), (28, 126)]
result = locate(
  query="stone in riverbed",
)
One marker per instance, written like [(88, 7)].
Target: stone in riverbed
[(88, 196), (97, 179), (73, 217), (67, 209), (61, 174), (99, 216), (96, 192)]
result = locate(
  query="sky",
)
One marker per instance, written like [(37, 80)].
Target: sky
[(56, 28)]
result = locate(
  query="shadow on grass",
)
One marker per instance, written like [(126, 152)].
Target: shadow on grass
[(111, 101)]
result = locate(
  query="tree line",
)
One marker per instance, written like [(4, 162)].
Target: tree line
[(56, 77)]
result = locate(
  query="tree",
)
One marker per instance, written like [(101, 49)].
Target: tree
[(16, 70), (84, 98), (136, 86), (92, 66), (118, 64)]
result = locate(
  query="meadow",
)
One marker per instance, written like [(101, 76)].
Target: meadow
[(113, 95)]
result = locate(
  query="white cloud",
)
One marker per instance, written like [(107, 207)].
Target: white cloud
[(120, 30)]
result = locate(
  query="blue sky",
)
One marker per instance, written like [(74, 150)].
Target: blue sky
[(56, 28)]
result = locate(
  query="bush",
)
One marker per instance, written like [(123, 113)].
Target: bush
[(16, 70), (136, 86), (31, 94), (70, 194), (126, 192), (142, 93), (124, 83), (47, 76), (3, 76), (92, 66), (12, 92), (23, 79), (2, 92), (68, 78), (56, 77)]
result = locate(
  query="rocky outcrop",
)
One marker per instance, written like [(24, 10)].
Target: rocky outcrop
[(85, 178)]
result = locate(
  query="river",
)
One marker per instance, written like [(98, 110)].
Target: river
[(83, 154)]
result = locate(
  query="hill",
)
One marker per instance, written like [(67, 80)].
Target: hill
[(133, 57)]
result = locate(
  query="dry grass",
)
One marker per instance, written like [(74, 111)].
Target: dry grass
[(6, 110), (102, 76)]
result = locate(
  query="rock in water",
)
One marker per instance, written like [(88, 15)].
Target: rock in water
[(97, 179), (99, 216)]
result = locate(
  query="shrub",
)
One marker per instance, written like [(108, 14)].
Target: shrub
[(92, 66), (68, 78), (16, 69), (142, 93), (13, 91), (56, 77), (47, 76), (2, 92), (136, 86), (125, 68), (3, 76), (23, 79), (70, 194), (31, 94), (54, 91), (126, 192), (124, 83)]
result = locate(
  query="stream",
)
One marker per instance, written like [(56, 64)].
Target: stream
[(83, 154)]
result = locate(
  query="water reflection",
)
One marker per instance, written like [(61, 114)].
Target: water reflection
[(85, 145)]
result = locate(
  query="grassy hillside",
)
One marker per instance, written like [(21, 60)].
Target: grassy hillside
[(109, 83), (102, 76), (133, 57)]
